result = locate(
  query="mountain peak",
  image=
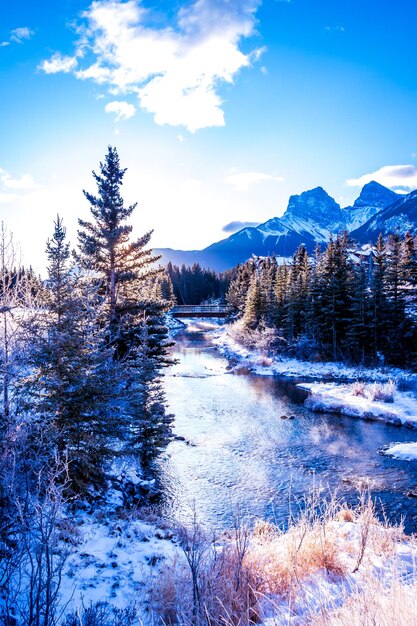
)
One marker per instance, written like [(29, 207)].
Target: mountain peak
[(314, 205), (376, 195)]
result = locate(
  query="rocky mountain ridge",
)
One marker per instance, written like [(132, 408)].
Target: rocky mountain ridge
[(310, 218)]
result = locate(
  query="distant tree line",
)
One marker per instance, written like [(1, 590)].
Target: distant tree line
[(194, 284), (343, 303)]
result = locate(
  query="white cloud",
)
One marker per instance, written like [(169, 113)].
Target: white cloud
[(21, 34), (176, 70), (122, 110), (244, 180), (337, 28), (234, 227), (58, 63), (18, 35), (398, 177), (24, 183)]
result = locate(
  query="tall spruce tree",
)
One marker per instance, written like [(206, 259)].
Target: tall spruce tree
[(254, 305), (378, 296), (395, 309), (239, 286), (125, 267), (409, 269), (105, 242)]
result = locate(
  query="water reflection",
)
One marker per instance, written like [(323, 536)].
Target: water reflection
[(239, 452)]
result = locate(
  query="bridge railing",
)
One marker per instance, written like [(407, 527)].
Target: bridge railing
[(205, 309)]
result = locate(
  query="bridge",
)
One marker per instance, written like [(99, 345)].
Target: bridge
[(205, 310)]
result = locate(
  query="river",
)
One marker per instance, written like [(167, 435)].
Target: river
[(236, 455)]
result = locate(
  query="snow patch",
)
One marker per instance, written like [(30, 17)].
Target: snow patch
[(403, 451), (339, 398)]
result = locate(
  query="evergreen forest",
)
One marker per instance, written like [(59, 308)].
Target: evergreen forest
[(343, 303)]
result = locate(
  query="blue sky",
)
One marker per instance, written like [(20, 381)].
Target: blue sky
[(220, 109)]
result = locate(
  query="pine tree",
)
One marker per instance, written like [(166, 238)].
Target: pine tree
[(132, 294), (59, 281), (15, 295), (297, 293), (357, 339), (378, 296), (409, 269), (239, 286), (281, 289), (165, 289), (106, 244), (150, 424), (74, 381), (254, 306), (395, 309), (268, 279)]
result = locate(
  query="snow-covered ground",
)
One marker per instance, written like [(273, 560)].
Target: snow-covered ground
[(116, 559), (386, 559), (242, 357), (119, 560), (340, 398)]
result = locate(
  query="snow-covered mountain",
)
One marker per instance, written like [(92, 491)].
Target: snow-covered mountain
[(372, 199), (400, 217), (310, 218), (313, 212)]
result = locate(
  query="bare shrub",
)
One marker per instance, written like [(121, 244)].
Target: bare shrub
[(171, 595), (101, 614), (366, 519), (282, 560), (31, 573), (230, 583), (213, 586), (358, 388), (345, 515), (263, 338), (265, 571), (376, 392), (382, 392)]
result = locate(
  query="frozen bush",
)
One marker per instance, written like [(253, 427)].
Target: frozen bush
[(358, 388), (376, 392), (382, 392), (101, 614)]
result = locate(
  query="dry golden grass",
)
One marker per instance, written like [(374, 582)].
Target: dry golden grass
[(372, 604), (283, 561), (235, 582), (376, 392), (345, 515)]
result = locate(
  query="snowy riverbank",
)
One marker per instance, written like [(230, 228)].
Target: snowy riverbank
[(314, 570), (342, 399), (325, 396), (241, 357)]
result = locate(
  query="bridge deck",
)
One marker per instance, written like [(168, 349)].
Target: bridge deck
[(207, 310)]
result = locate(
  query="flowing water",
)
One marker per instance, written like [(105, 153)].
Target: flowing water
[(235, 453)]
